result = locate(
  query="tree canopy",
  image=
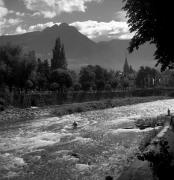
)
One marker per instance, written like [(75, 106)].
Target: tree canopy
[(147, 77), (59, 58), (15, 66), (97, 78), (151, 21), (62, 78)]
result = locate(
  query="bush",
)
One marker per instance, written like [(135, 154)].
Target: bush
[(77, 87), (62, 77), (108, 87), (160, 160), (5, 96), (146, 92), (2, 108), (171, 94), (29, 84), (151, 122), (2, 104), (79, 109), (54, 86)]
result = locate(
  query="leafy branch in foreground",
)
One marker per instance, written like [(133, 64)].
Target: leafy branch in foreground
[(149, 21)]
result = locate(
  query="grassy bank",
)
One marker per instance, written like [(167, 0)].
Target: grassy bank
[(156, 158), (13, 115)]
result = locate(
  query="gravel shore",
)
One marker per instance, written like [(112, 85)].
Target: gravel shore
[(12, 115)]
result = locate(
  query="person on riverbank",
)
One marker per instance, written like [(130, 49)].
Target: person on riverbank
[(168, 112)]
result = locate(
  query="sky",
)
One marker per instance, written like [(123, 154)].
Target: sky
[(97, 19)]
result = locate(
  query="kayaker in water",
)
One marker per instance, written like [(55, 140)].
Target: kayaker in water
[(74, 125)]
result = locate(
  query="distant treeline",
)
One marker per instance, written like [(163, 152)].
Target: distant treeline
[(22, 72)]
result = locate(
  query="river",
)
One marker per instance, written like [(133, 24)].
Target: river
[(103, 143)]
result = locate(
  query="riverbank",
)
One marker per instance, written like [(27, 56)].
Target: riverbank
[(13, 115), (53, 98), (159, 153)]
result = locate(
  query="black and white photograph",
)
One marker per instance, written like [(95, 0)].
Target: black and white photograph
[(86, 90)]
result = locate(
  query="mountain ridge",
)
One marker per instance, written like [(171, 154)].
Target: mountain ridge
[(79, 49)]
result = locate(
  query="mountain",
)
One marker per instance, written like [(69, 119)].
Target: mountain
[(79, 49)]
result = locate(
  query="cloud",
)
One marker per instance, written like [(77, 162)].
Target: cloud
[(17, 13), (14, 21), (20, 30), (36, 27), (52, 8), (121, 16), (20, 14), (2, 22), (39, 27), (92, 29), (126, 36), (104, 30), (36, 14), (3, 10), (5, 21), (3, 13)]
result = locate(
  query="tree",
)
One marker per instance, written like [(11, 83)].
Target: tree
[(74, 76), (96, 77), (2, 73), (77, 87), (149, 20), (15, 66), (9, 57), (101, 77), (87, 77), (54, 86), (62, 78), (41, 81), (29, 84), (108, 87), (39, 65), (46, 68), (140, 78), (161, 160), (59, 59), (43, 70), (23, 69), (124, 83), (100, 84), (131, 70), (171, 79), (147, 77), (114, 83)]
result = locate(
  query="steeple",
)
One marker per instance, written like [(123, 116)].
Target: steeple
[(126, 68)]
